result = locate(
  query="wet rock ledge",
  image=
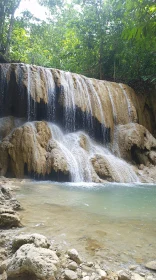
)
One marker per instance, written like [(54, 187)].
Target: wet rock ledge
[(8, 208), (34, 257)]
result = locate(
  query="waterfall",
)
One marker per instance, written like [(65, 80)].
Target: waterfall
[(51, 92), (97, 105), (29, 105), (127, 100), (79, 158), (4, 79), (115, 146), (85, 101), (73, 105), (69, 100)]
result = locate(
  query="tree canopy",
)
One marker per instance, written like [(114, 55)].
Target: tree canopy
[(106, 39)]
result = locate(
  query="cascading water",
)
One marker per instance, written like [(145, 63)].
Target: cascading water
[(98, 106), (29, 105), (79, 158), (85, 104), (128, 102), (76, 157), (4, 78), (115, 147), (69, 100), (85, 101), (51, 92)]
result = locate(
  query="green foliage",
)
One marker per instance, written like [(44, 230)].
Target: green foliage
[(99, 38)]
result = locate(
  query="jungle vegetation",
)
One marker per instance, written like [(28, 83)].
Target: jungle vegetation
[(105, 39)]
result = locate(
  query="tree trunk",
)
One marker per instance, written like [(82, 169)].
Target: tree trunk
[(2, 20), (114, 74), (7, 48), (100, 63)]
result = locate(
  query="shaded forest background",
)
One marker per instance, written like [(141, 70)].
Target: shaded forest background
[(105, 39)]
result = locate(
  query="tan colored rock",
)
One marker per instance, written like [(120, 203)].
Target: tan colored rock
[(56, 159), (102, 274), (37, 239), (3, 276), (146, 104), (113, 169), (151, 265), (73, 254), (149, 277), (27, 145), (9, 219), (152, 157), (3, 255), (104, 100), (4, 158), (134, 138), (86, 278), (70, 275), (7, 124), (7, 200), (39, 262), (72, 266), (124, 275), (148, 174), (136, 276)]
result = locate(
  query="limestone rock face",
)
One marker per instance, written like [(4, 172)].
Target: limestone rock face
[(112, 169), (148, 173), (107, 111), (27, 145), (147, 109), (56, 158), (7, 124), (137, 144), (105, 101), (38, 148), (39, 262)]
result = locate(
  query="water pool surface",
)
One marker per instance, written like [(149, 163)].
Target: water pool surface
[(115, 222)]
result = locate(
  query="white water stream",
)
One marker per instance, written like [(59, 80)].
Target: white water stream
[(79, 158)]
